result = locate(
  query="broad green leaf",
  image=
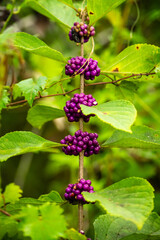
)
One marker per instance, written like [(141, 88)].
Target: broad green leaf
[(16, 143), (29, 88), (141, 137), (11, 194), (130, 199), (35, 45), (4, 99), (55, 10), (7, 226), (120, 114), (53, 196), (137, 59), (67, 2), (112, 228), (44, 222), (40, 114), (72, 234), (126, 90), (97, 9)]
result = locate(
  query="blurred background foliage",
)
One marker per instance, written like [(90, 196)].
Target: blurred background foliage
[(131, 23)]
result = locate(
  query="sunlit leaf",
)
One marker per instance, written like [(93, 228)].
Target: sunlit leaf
[(131, 199), (119, 114)]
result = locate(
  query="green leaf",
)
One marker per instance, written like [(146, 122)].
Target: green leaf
[(126, 90), (35, 45), (112, 228), (120, 114), (53, 196), (45, 222), (137, 59), (55, 10), (4, 99), (72, 234), (130, 199), (29, 88), (11, 194), (40, 114), (67, 2), (8, 226), (157, 70), (16, 143), (141, 137), (97, 9)]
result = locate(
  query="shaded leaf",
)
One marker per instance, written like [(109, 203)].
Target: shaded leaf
[(97, 9), (112, 228), (130, 199), (16, 143), (7, 226), (120, 114), (141, 137), (53, 196), (40, 114), (35, 45)]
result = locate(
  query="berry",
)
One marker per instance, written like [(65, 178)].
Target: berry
[(81, 30), (73, 110), (79, 142), (74, 194), (80, 65), (82, 232)]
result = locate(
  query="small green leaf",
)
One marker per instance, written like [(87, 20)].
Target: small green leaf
[(97, 9), (130, 199), (40, 114), (29, 88), (55, 10), (120, 114), (4, 99), (53, 196), (157, 70), (126, 90), (112, 228), (72, 234), (137, 59), (12, 193), (45, 222), (35, 45), (141, 137), (16, 143)]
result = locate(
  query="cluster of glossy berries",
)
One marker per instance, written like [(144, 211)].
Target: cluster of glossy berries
[(79, 142), (80, 30), (82, 232), (80, 65), (73, 109), (73, 192)]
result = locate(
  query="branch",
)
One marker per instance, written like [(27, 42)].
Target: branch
[(5, 213), (86, 85)]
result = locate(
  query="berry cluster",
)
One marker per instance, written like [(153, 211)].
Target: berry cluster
[(80, 65), (73, 192), (81, 30), (82, 232), (73, 109), (79, 142)]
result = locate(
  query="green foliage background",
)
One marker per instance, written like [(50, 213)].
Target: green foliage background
[(40, 173)]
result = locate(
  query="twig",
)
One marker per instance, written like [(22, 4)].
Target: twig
[(5, 213)]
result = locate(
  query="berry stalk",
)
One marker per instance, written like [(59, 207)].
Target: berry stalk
[(81, 154)]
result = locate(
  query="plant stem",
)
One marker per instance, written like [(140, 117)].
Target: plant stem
[(8, 19), (81, 155)]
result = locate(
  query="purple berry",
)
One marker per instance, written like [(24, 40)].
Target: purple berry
[(79, 66), (79, 142), (73, 109), (73, 192)]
